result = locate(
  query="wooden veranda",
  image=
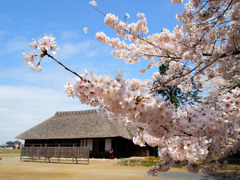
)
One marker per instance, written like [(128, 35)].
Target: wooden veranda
[(60, 153)]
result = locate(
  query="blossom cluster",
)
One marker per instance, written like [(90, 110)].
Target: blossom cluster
[(198, 51), (45, 44), (195, 133), (116, 95), (230, 102), (93, 3)]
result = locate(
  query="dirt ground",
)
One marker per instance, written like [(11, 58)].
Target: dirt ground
[(98, 169)]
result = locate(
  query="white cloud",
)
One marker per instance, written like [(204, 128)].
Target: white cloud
[(23, 107), (81, 49), (18, 43), (69, 35), (71, 49), (54, 76), (2, 109)]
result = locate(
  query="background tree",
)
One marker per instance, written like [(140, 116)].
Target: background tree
[(174, 94)]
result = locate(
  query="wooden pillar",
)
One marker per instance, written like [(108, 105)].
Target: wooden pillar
[(32, 152), (40, 151), (45, 153), (21, 153), (72, 153), (76, 155), (58, 152), (88, 155)]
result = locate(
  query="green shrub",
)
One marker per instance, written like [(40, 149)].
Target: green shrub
[(148, 161)]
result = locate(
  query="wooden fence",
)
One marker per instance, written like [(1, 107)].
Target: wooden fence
[(36, 153)]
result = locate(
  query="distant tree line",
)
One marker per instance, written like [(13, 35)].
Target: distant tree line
[(12, 145)]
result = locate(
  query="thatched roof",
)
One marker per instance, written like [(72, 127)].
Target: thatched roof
[(76, 124)]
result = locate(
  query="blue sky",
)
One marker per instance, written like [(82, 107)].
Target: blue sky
[(27, 98)]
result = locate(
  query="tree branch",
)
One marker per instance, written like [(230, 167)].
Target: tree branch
[(46, 53)]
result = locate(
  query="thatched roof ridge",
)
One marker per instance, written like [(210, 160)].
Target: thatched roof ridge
[(76, 124), (75, 112)]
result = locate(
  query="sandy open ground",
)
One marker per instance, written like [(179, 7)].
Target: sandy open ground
[(98, 169), (12, 168)]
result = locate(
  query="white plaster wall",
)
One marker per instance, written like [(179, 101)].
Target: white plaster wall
[(90, 144), (108, 144)]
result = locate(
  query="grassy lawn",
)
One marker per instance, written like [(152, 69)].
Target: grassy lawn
[(10, 153)]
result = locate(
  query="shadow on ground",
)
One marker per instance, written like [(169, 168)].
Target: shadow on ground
[(185, 175)]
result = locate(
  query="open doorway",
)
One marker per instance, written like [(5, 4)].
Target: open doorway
[(98, 145)]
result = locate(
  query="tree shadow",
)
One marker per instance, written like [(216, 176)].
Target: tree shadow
[(199, 176), (222, 176)]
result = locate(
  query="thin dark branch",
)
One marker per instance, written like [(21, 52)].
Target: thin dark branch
[(180, 76), (99, 11), (165, 128), (46, 53), (172, 57), (217, 18), (200, 8)]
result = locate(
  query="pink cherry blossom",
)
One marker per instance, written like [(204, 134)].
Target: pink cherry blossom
[(85, 29), (203, 52), (93, 3), (53, 47), (34, 44)]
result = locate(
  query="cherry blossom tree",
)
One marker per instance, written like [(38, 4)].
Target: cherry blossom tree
[(205, 47)]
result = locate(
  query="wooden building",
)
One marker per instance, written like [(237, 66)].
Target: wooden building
[(85, 129)]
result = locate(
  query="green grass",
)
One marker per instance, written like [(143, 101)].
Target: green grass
[(10, 152), (148, 162)]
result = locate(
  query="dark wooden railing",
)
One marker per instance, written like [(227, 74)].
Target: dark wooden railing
[(36, 153)]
